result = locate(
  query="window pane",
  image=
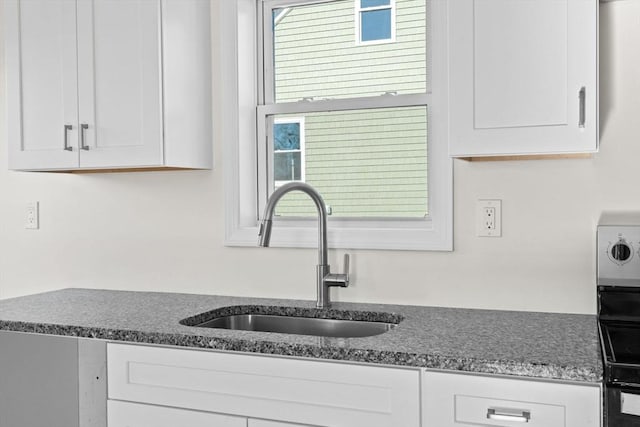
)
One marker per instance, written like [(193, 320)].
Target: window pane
[(286, 136), (365, 163), (376, 25), (316, 54), (287, 166), (374, 3)]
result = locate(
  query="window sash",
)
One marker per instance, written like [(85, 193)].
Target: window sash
[(265, 112), (266, 72)]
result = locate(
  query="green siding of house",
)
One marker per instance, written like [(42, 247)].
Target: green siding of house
[(316, 49), (369, 163)]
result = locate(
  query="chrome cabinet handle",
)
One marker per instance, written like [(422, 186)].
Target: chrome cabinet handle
[(67, 128), (507, 414), (83, 127), (582, 112)]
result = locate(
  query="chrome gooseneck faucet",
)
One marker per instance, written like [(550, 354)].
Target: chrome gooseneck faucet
[(325, 279)]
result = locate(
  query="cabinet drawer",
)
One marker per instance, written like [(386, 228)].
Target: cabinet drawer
[(290, 390), (456, 400), (125, 414), (265, 423)]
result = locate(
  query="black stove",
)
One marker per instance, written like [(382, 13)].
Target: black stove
[(620, 339), (619, 318)]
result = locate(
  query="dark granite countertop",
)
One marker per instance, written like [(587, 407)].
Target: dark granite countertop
[(540, 345)]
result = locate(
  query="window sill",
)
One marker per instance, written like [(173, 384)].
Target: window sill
[(286, 236)]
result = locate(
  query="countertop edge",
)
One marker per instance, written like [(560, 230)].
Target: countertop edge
[(516, 369)]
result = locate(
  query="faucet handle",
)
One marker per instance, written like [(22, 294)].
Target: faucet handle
[(339, 279), (346, 270)]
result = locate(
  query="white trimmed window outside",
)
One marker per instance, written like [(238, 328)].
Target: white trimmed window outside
[(288, 150), (375, 21)]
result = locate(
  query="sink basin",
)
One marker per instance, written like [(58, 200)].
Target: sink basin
[(299, 325), (297, 320)]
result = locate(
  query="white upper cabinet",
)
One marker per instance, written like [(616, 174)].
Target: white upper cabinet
[(523, 77), (96, 84), (42, 83), (119, 82)]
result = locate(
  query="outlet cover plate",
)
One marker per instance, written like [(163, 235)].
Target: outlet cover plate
[(32, 216), (489, 218)]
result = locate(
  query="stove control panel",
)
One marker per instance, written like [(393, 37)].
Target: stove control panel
[(618, 251)]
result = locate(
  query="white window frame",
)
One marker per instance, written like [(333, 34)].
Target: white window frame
[(300, 121), (358, 22), (239, 86)]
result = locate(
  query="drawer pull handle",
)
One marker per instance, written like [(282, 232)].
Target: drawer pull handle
[(582, 108), (506, 414), (67, 128), (83, 128)]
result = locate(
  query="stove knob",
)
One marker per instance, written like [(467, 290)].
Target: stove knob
[(621, 251)]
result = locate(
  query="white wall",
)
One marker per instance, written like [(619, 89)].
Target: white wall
[(163, 231)]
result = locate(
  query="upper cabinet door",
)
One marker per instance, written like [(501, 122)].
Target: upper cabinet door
[(41, 73), (523, 77), (120, 91)]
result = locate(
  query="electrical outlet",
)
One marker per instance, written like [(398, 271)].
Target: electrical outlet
[(32, 220), (489, 218)]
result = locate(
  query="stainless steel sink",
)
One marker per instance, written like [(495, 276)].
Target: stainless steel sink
[(299, 325)]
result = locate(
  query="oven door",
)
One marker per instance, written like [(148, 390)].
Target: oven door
[(622, 406)]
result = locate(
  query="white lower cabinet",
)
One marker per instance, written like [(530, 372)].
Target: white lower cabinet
[(266, 423), (167, 387), (284, 390), (126, 414), (457, 400)]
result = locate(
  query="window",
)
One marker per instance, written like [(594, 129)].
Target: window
[(375, 21), (366, 162), (367, 128), (288, 150)]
